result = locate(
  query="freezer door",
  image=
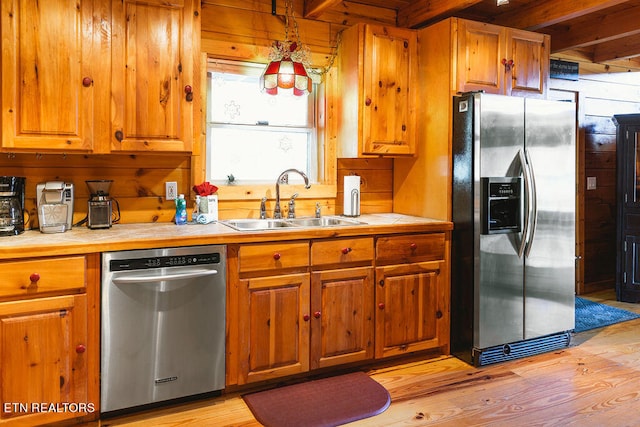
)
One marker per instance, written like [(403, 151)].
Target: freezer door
[(550, 260), (498, 310)]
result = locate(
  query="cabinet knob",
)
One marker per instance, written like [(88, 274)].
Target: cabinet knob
[(276, 256), (119, 135), (80, 348), (381, 306), (438, 314), (317, 314), (188, 90), (413, 246), (87, 81), (306, 317), (34, 278), (346, 250), (367, 102), (507, 64)]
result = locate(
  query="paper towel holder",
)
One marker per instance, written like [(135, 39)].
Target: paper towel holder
[(352, 196)]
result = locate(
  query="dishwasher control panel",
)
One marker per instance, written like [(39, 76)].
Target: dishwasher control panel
[(164, 261)]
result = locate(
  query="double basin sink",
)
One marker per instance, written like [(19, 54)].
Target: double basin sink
[(273, 224)]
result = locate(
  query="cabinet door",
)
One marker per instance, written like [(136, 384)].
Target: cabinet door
[(49, 77), (43, 358), (274, 331), (412, 312), (481, 49), (154, 43), (341, 316), (390, 65), (529, 72)]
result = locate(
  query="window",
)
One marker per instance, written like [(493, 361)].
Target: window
[(252, 137)]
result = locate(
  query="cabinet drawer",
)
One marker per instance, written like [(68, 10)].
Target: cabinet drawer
[(342, 251), (410, 248), (42, 275), (273, 256)]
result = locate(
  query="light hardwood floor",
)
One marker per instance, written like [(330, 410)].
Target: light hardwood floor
[(595, 382)]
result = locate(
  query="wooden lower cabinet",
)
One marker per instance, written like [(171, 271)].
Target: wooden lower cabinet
[(342, 316), (303, 305), (49, 352), (411, 309), (274, 334)]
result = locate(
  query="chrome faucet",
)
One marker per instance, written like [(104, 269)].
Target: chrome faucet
[(277, 212)]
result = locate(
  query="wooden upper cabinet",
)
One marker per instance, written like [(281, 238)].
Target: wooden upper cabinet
[(500, 60), (52, 75), (153, 80), (376, 91)]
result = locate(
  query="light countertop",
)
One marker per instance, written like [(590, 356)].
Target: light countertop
[(33, 243)]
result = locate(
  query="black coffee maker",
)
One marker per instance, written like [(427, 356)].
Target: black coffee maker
[(11, 205)]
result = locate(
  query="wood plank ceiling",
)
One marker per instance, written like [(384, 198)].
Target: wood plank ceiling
[(600, 31)]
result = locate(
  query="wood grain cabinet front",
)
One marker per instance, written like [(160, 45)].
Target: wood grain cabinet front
[(154, 82), (412, 294), (268, 310), (43, 276), (500, 60), (49, 340), (55, 84), (341, 301), (377, 91)]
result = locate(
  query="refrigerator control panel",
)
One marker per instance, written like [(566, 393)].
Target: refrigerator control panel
[(501, 205)]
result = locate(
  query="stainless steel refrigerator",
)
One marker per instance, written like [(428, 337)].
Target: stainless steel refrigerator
[(513, 243)]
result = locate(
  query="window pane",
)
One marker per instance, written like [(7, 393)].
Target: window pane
[(238, 99), (254, 136), (256, 154)]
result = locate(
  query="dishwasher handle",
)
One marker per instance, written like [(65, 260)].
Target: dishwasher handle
[(163, 277)]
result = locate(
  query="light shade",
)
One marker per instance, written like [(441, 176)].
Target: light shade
[(286, 76)]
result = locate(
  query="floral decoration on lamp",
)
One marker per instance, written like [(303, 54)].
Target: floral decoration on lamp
[(287, 69)]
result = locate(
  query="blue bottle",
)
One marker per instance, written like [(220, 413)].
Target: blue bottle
[(181, 210)]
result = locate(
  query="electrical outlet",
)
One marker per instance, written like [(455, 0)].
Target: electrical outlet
[(171, 190)]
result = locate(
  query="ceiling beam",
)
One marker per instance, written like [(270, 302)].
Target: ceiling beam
[(314, 8), (585, 32), (418, 13), (624, 48), (539, 14)]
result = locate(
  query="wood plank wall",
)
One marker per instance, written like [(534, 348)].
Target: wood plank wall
[(138, 181), (603, 92)]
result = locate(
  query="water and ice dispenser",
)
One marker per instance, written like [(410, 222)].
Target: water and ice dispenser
[(501, 205)]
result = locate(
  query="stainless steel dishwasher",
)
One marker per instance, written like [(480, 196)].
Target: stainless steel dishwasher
[(163, 325)]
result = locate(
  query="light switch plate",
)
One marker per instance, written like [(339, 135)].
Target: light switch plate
[(171, 190), (591, 183)]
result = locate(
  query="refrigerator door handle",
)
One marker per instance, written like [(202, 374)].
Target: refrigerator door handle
[(527, 193), (534, 204)]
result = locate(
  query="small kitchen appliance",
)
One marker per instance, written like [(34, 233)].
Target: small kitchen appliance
[(99, 214), (11, 205), (55, 206)]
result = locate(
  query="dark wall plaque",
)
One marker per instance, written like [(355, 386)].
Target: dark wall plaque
[(564, 70)]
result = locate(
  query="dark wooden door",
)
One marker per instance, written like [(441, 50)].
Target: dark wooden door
[(628, 207)]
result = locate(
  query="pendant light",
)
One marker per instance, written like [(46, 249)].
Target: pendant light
[(287, 70)]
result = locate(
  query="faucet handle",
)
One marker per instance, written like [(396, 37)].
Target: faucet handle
[(292, 206), (318, 213), (263, 208)]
